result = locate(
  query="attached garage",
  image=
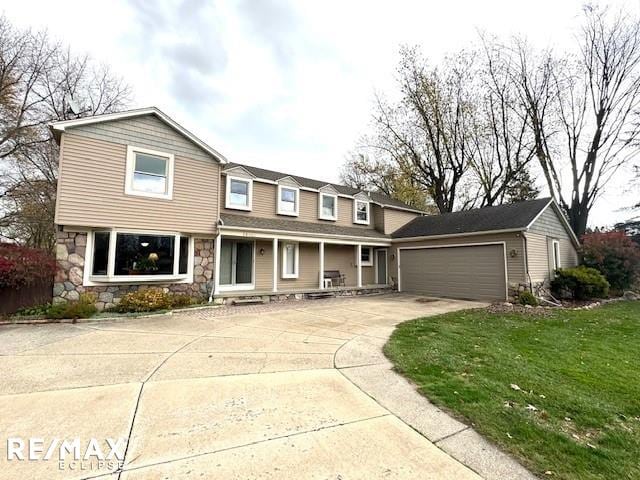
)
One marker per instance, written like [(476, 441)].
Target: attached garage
[(472, 272), (487, 254)]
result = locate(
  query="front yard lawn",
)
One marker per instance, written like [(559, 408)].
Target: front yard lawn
[(560, 392)]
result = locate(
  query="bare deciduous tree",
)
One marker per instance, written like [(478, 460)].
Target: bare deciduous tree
[(583, 110), (37, 78)]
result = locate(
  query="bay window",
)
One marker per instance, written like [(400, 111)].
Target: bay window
[(127, 256), (149, 173), (288, 200), (328, 206)]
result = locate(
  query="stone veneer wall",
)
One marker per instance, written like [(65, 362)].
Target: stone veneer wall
[(70, 255)]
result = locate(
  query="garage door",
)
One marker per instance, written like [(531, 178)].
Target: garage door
[(467, 272)]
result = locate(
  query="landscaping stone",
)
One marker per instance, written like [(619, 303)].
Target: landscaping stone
[(73, 296), (58, 288), (68, 286), (75, 275), (106, 297)]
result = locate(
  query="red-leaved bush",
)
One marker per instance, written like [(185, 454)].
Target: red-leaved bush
[(20, 266), (615, 255)]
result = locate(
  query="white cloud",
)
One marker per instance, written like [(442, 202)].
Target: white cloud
[(285, 85)]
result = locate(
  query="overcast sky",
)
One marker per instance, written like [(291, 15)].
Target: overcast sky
[(287, 85)]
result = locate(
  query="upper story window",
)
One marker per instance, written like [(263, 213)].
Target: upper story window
[(328, 206), (361, 212), (288, 200), (149, 173), (239, 193)]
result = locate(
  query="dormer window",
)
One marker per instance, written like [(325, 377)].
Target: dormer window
[(149, 173), (239, 193), (288, 200), (360, 212), (328, 206)]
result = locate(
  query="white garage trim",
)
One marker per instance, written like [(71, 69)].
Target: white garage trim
[(425, 247)]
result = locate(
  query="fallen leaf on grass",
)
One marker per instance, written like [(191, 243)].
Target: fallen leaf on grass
[(515, 387), (532, 408)]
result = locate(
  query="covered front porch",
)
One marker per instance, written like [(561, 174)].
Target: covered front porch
[(260, 264)]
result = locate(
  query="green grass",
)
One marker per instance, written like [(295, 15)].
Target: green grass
[(580, 369)]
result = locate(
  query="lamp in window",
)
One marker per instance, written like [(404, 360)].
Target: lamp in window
[(144, 244)]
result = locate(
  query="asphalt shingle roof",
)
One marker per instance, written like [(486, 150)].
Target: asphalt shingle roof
[(500, 217), (316, 184), (246, 221)]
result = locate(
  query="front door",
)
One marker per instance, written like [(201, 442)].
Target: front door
[(236, 263), (381, 270)]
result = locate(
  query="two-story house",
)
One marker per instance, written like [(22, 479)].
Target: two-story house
[(142, 201)]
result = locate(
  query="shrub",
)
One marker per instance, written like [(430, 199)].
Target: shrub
[(152, 299), (83, 308), (527, 298), (180, 301), (581, 283), (33, 311), (145, 301), (20, 266), (615, 255)]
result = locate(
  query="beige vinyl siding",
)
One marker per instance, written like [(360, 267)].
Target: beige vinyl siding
[(394, 219), (264, 204), (342, 258), (91, 189), (513, 241), (537, 255), (264, 265), (368, 274), (145, 131), (548, 227), (336, 257), (377, 215), (308, 270)]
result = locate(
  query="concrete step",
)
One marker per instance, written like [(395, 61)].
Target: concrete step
[(248, 301), (317, 295)]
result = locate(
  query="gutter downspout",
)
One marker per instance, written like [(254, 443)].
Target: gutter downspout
[(526, 261), (216, 267), (220, 222)]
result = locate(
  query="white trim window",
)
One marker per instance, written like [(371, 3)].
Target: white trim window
[(328, 206), (288, 200), (149, 173), (555, 245), (239, 193), (136, 257), (290, 260), (366, 256), (360, 212)]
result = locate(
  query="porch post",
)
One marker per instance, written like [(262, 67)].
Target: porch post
[(275, 265), (359, 263), (321, 272), (216, 275)]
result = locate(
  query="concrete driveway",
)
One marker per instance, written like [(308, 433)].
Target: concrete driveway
[(299, 390)]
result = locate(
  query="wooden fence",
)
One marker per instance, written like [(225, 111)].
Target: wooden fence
[(12, 299)]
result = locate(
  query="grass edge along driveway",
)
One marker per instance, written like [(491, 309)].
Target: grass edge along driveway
[(559, 391)]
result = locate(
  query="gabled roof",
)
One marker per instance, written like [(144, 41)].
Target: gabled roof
[(509, 217), (296, 226), (274, 176), (109, 117)]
